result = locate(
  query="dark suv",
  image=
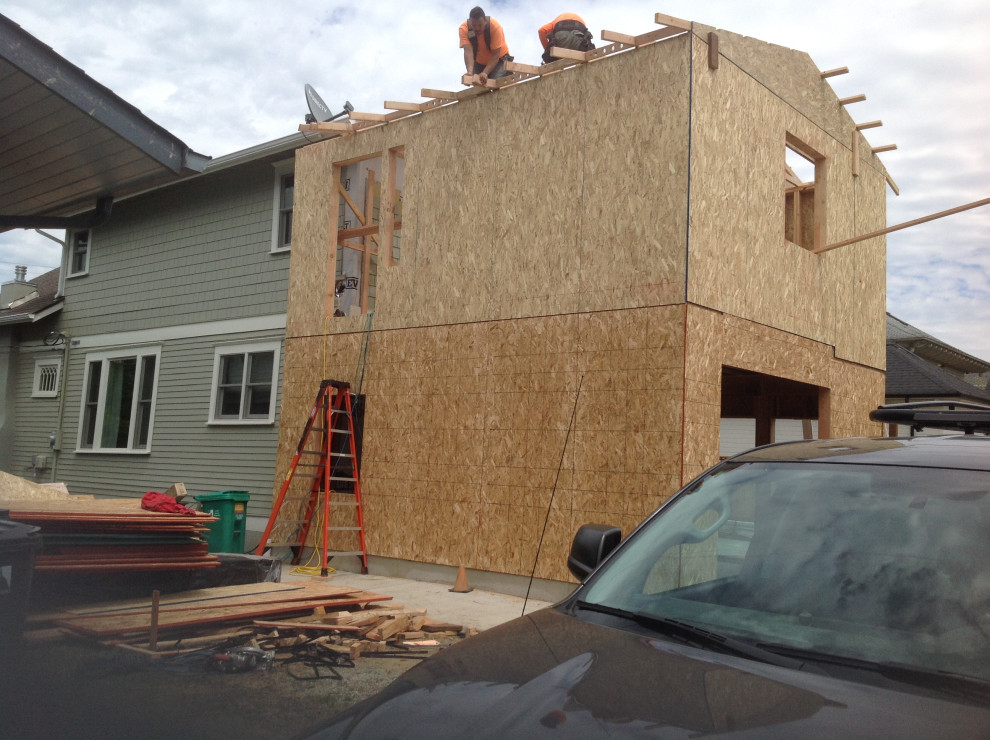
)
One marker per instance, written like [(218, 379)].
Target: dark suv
[(830, 588)]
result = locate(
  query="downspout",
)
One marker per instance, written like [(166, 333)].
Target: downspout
[(57, 442)]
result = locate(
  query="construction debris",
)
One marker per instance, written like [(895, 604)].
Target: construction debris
[(318, 625)]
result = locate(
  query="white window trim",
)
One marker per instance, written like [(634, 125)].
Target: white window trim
[(69, 251), (239, 349), (104, 357), (39, 365), (285, 167)]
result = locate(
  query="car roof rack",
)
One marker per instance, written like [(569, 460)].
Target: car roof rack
[(958, 416)]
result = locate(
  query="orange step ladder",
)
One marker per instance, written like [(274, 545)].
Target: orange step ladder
[(327, 456)]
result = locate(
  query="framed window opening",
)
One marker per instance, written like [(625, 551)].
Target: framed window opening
[(79, 248), (804, 194), (369, 227), (46, 377), (244, 384), (284, 199), (118, 404)]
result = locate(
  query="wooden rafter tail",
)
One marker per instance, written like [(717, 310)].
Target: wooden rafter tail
[(376, 117), (398, 105), (893, 185), (531, 69), (438, 94), (572, 54), (669, 20), (884, 148), (852, 99), (905, 225), (868, 124), (834, 72)]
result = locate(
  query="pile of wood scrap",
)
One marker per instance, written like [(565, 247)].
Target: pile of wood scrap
[(332, 620), (82, 533)]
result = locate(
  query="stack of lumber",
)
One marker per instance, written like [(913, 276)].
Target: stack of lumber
[(81, 533), (340, 620)]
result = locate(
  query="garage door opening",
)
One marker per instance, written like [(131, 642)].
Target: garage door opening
[(758, 409)]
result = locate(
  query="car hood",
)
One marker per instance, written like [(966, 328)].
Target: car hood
[(551, 674)]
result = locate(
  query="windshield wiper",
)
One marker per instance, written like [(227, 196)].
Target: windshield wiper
[(953, 684), (698, 636)]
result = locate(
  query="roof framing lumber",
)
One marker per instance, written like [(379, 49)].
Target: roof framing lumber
[(642, 39), (868, 124), (834, 72), (852, 99), (905, 225), (884, 148), (669, 20)]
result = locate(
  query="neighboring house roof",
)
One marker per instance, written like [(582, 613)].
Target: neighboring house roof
[(35, 306), (911, 376), (932, 349), (68, 141)]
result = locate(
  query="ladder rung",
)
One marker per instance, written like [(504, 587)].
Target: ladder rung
[(341, 454), (333, 553), (284, 544), (349, 480)]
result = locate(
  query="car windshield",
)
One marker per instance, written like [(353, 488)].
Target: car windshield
[(871, 563)]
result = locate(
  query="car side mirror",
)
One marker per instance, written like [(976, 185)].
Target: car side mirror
[(591, 545)]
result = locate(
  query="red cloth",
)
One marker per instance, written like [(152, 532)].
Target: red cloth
[(153, 501)]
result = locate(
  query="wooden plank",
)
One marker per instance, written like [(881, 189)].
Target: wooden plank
[(834, 72), (852, 99), (400, 106), (562, 53), (868, 124), (669, 20), (188, 597), (884, 148), (712, 50), (282, 624), (375, 117), (438, 94), (107, 625), (905, 225)]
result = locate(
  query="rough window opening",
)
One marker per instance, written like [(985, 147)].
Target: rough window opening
[(804, 194), (369, 227)]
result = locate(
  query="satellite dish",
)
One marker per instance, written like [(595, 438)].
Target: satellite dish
[(320, 111)]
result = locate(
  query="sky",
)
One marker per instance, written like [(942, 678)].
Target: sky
[(223, 76)]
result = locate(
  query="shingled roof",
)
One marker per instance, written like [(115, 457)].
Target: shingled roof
[(911, 377), (35, 307)]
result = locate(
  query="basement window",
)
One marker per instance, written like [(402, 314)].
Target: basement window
[(369, 227), (46, 374), (804, 194), (118, 404)]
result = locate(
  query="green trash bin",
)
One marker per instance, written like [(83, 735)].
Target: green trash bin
[(230, 508)]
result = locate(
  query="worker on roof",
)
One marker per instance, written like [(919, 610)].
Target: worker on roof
[(485, 50), (568, 31)]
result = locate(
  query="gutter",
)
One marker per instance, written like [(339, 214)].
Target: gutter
[(30, 318)]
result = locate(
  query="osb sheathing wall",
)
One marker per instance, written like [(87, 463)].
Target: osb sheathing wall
[(544, 241), (739, 261)]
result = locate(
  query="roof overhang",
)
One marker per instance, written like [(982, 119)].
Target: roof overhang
[(31, 317), (67, 142)]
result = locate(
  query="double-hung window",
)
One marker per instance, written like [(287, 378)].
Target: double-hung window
[(78, 253), (285, 183), (244, 384), (118, 404)]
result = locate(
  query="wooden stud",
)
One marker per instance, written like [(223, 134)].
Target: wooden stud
[(369, 208), (855, 153), (669, 20), (890, 181), (642, 39), (884, 148), (712, 50), (852, 99), (869, 124), (834, 72)]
